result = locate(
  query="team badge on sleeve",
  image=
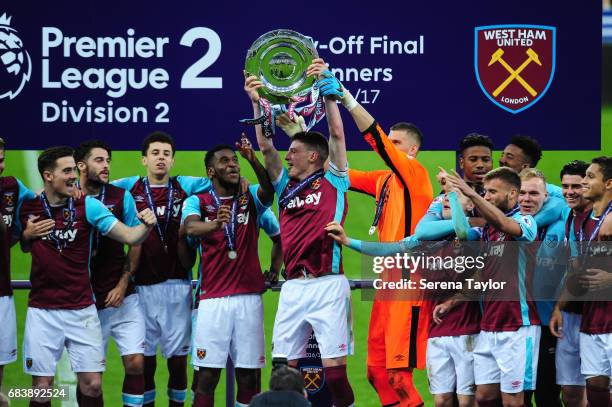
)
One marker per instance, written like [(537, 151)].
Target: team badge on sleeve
[(515, 63), (9, 201)]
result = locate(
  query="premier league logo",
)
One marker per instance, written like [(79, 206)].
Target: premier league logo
[(15, 63), (515, 63)]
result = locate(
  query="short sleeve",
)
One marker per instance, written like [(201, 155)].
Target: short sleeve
[(269, 223), (194, 185), (191, 206), (24, 193), (338, 178), (280, 184), (261, 207), (130, 213), (528, 227), (99, 216), (126, 183), (435, 208), (554, 190)]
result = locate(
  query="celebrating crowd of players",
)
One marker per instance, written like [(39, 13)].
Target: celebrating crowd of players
[(492, 352)]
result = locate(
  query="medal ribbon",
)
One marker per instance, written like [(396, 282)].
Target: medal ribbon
[(167, 212), (228, 230), (597, 227), (60, 242), (102, 198), (290, 193), (379, 205)]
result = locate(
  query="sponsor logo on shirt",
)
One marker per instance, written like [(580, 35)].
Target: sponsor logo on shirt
[(67, 235), (311, 199), (9, 201)]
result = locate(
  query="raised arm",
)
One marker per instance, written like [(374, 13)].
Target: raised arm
[(331, 90), (272, 159), (265, 192)]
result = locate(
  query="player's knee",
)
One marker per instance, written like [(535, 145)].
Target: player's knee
[(485, 399), (91, 385), (208, 380), (41, 382), (444, 400), (573, 397), (377, 376), (246, 378), (134, 364), (466, 402)]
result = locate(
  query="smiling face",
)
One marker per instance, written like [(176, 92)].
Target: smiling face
[(593, 183), (225, 168), (159, 159), (300, 160), (532, 195), (571, 186), (514, 157), (63, 177), (96, 166), (475, 162)]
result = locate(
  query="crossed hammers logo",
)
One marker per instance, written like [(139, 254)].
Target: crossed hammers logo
[(312, 382), (532, 56)]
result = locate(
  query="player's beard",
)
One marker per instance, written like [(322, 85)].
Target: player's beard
[(94, 180), (229, 186)]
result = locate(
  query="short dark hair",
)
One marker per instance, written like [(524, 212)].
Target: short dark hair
[(475, 139), (530, 147), (506, 174), (409, 128), (286, 378), (157, 136), (210, 154), (83, 151), (605, 163), (314, 140), (47, 160), (576, 167)]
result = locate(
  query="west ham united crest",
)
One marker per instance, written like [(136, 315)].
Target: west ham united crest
[(515, 63), (314, 378)]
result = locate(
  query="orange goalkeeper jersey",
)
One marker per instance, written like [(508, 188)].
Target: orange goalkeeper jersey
[(409, 190), (397, 336)]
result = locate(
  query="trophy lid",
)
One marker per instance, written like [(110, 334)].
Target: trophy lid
[(279, 59)]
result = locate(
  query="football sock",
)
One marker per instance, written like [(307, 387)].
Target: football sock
[(339, 386), (378, 378)]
